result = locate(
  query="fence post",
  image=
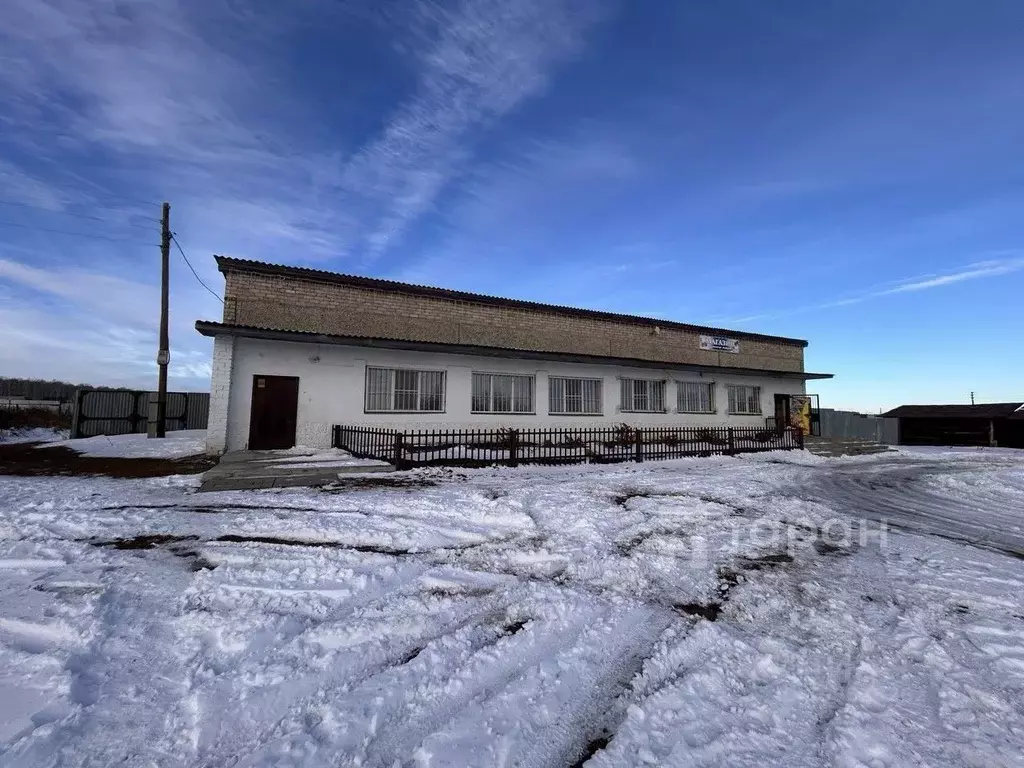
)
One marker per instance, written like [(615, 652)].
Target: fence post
[(638, 437), (399, 450), (76, 417), (731, 446), (513, 447), (800, 438)]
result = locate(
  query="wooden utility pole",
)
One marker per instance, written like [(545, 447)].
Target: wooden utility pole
[(163, 356)]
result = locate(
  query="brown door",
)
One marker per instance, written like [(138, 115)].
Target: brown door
[(275, 405), (781, 411)]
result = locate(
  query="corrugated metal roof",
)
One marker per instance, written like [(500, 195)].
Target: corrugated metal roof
[(979, 411), (226, 263)]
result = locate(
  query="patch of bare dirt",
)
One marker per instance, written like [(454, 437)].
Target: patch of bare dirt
[(179, 546), (34, 459), (371, 482)]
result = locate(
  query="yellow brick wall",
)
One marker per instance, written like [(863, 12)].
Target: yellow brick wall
[(289, 303)]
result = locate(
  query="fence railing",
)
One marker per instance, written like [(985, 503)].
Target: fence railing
[(119, 412), (365, 442), (469, 447)]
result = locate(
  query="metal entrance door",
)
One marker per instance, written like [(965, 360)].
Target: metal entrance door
[(800, 411), (275, 406)]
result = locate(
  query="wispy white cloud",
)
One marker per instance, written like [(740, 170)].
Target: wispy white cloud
[(476, 63), (153, 85), (154, 80), (22, 188), (991, 268), (39, 341), (107, 296), (1009, 264), (516, 206), (186, 101)]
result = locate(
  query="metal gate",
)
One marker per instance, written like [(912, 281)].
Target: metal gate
[(121, 412)]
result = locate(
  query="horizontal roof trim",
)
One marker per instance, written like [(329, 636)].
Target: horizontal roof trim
[(209, 328), (227, 263)]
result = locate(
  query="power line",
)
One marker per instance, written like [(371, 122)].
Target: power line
[(74, 234), (194, 273), (76, 215)]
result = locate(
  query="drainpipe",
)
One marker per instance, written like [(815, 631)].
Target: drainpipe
[(992, 433)]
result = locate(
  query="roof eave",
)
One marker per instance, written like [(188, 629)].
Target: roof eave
[(213, 329)]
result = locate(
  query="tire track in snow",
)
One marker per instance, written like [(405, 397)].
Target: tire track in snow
[(318, 730), (550, 687), (899, 495), (115, 720), (353, 643)]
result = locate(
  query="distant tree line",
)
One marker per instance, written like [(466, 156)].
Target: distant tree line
[(41, 389)]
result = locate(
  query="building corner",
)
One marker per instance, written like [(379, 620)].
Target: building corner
[(220, 394)]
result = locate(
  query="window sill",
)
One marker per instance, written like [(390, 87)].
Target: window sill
[(734, 413), (380, 413), (698, 413), (556, 413), (504, 413), (623, 410)]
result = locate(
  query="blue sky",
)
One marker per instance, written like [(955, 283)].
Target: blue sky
[(846, 172)]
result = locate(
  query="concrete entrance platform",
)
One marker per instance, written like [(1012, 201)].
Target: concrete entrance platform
[(842, 446), (291, 468)]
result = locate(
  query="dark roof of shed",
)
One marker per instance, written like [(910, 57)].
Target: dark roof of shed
[(226, 263), (979, 411)]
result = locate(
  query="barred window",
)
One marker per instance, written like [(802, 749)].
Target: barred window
[(502, 393), (574, 396), (401, 389), (744, 399), (642, 395), (695, 396)]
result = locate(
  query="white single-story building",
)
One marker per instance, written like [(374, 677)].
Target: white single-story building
[(299, 350)]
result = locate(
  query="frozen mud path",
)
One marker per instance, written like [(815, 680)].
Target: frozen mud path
[(698, 613)]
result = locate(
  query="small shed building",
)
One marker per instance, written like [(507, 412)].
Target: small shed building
[(992, 424)]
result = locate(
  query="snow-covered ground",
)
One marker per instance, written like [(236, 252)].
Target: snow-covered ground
[(177, 444), (708, 612)]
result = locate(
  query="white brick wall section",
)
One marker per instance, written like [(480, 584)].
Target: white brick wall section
[(220, 394), (332, 382)]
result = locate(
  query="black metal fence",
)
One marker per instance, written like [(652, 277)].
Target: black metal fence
[(120, 412), (420, 448)]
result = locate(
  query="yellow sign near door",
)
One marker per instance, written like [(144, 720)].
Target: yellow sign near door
[(800, 413)]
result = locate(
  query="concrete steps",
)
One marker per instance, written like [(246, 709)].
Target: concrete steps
[(253, 470), (843, 446)]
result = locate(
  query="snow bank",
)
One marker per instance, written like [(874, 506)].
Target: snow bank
[(178, 444)]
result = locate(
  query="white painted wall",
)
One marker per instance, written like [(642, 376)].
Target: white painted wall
[(331, 384), (220, 394)]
